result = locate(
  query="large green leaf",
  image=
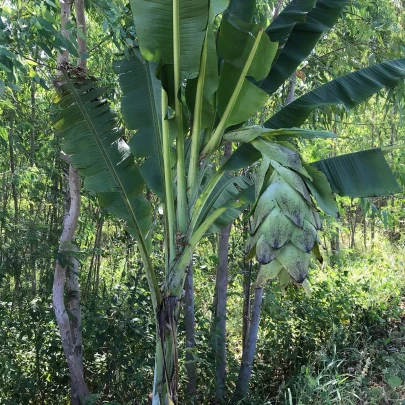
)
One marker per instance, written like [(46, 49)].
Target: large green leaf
[(348, 90), (154, 29), (92, 139), (140, 104), (294, 13), (235, 42), (141, 110), (359, 174), (302, 40), (250, 98), (211, 76)]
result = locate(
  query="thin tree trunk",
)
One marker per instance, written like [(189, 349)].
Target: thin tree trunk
[(364, 231), (95, 259), (32, 162), (245, 370), (291, 91), (247, 280), (81, 25), (191, 387), (12, 170), (277, 8), (335, 241), (71, 337), (14, 192), (220, 311)]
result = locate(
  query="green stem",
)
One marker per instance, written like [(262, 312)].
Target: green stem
[(389, 148), (177, 281), (199, 205), (181, 167), (220, 129), (168, 180), (196, 134)]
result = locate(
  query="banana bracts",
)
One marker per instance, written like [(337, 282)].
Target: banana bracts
[(285, 221)]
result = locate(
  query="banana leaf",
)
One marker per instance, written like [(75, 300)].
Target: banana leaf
[(294, 13), (301, 42), (154, 28), (348, 90), (92, 139), (359, 174)]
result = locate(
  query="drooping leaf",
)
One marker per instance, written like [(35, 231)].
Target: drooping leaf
[(154, 28), (235, 42), (348, 90), (301, 42), (359, 174), (294, 13), (92, 139), (241, 9)]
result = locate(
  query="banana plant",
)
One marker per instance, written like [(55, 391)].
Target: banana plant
[(187, 89)]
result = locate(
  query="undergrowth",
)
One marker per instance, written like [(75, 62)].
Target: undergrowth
[(345, 343)]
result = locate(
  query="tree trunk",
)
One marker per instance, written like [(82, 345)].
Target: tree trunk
[(247, 280), (191, 387), (32, 162), (245, 370), (166, 375), (364, 231), (291, 91), (81, 25), (220, 313), (335, 241), (66, 267), (220, 310), (277, 8), (12, 171)]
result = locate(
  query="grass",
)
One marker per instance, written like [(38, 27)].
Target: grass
[(343, 345)]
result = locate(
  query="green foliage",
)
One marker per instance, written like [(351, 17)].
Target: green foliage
[(335, 346)]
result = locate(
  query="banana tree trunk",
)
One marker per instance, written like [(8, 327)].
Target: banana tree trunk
[(245, 370), (166, 376)]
